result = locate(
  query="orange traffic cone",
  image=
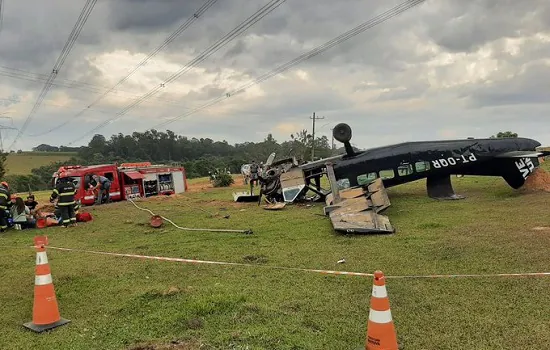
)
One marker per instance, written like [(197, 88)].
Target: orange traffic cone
[(45, 312), (380, 329)]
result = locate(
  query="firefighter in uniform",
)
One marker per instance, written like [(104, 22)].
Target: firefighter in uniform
[(5, 203), (65, 191)]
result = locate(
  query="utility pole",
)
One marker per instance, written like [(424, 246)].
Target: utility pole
[(314, 118)]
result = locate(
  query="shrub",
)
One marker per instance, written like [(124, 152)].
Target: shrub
[(223, 180)]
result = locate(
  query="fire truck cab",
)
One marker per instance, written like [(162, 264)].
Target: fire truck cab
[(129, 180)]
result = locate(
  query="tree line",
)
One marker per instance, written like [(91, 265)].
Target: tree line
[(199, 156)]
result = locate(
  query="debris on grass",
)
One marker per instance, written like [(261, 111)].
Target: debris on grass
[(194, 323), (172, 290), (276, 206), (258, 259), (538, 181), (541, 228)]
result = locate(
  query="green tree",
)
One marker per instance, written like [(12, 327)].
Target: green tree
[(504, 134)]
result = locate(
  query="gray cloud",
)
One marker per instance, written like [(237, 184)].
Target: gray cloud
[(464, 68), (530, 87)]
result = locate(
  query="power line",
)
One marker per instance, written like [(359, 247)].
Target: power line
[(326, 46), (84, 14), (74, 84), (167, 41), (241, 28), (17, 102), (33, 76)]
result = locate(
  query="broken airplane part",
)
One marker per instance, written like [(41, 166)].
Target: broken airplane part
[(358, 179)]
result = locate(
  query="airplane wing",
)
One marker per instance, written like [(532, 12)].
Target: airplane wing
[(521, 154), (539, 152)]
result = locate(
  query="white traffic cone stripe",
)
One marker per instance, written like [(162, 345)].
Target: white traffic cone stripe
[(379, 292), (380, 316), (41, 258), (42, 280)]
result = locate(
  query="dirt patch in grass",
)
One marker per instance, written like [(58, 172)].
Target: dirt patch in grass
[(199, 186), (204, 184), (47, 208), (220, 205), (538, 181), (173, 345), (194, 323)]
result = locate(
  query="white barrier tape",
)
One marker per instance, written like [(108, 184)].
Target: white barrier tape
[(192, 261), (525, 274), (327, 272)]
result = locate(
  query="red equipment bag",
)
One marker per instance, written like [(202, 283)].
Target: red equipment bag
[(83, 217)]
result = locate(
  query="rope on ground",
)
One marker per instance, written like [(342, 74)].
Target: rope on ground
[(325, 272), (188, 228)]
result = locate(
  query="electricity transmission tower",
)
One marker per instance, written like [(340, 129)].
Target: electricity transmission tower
[(3, 127)]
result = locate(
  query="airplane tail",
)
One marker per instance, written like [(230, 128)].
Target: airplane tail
[(516, 169)]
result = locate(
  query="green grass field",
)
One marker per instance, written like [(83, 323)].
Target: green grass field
[(125, 303), (23, 163)]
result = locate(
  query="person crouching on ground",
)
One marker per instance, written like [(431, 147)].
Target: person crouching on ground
[(64, 192), (21, 214)]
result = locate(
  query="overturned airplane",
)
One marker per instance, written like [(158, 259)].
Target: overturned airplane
[(358, 179)]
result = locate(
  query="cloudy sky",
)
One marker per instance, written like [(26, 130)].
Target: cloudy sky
[(442, 69)]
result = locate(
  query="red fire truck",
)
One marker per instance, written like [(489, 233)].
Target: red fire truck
[(128, 180)]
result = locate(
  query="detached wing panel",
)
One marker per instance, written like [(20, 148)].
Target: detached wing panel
[(358, 210)]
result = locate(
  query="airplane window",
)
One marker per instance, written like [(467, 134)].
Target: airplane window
[(365, 179), (387, 174), (291, 193), (343, 183), (405, 169), (422, 166)]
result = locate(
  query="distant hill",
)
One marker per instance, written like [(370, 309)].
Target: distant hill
[(22, 163)]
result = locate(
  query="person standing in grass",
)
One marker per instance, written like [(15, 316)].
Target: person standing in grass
[(64, 192), (5, 204), (253, 175)]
